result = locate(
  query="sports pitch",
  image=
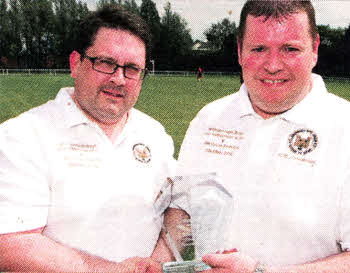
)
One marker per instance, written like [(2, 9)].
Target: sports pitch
[(173, 101)]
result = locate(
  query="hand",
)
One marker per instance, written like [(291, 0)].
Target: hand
[(154, 267), (233, 263), (139, 265)]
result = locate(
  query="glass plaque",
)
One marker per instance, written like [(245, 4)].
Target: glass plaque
[(210, 206)]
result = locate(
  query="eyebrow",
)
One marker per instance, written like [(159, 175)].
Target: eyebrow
[(107, 58)]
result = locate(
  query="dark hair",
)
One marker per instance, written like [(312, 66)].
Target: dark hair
[(113, 17), (276, 9)]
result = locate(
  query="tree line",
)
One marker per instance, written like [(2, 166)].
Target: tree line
[(39, 34), (334, 49)]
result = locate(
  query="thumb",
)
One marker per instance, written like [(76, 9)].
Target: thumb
[(154, 267), (217, 260)]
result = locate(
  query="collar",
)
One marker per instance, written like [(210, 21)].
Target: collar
[(245, 106), (71, 114), (297, 114), (304, 111)]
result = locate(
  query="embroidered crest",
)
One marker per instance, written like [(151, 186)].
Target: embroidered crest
[(142, 153), (303, 141)]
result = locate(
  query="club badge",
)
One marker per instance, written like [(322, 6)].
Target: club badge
[(303, 141), (142, 153)]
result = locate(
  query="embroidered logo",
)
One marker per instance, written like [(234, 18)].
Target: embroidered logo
[(142, 153), (303, 141)]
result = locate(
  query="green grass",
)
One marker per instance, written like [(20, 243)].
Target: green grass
[(19, 93), (174, 101)]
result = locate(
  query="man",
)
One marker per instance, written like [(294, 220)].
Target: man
[(199, 74), (280, 147), (79, 174)]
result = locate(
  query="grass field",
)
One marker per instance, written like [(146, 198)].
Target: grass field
[(174, 101)]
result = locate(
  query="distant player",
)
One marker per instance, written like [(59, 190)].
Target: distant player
[(199, 73)]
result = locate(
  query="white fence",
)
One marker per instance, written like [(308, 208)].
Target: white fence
[(192, 73), (67, 71), (33, 71), (168, 73)]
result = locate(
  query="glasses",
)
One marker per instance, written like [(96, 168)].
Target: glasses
[(110, 67)]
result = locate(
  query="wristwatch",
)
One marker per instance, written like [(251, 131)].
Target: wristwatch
[(260, 268)]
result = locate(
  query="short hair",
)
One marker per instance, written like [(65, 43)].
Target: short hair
[(276, 9), (112, 17)]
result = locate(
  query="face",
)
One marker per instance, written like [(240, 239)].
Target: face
[(277, 57), (103, 97)]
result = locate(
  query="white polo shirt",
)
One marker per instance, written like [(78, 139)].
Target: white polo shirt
[(289, 175), (59, 170)]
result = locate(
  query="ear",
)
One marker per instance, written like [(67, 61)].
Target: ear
[(74, 63), (239, 49), (316, 44)]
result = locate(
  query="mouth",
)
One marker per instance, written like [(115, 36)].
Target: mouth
[(273, 81), (113, 94)]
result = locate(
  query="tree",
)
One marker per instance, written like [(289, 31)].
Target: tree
[(102, 3), (36, 25), (149, 13), (43, 31), (222, 36), (331, 61), (347, 51), (68, 13), (15, 27), (28, 26), (175, 36), (131, 6), (4, 29)]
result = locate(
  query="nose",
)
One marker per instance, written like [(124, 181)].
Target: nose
[(273, 63), (118, 76)]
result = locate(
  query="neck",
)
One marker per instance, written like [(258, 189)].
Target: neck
[(111, 130), (266, 115), (114, 130)]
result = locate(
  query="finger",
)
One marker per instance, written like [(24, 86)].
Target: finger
[(230, 251), (217, 260), (154, 268), (215, 270)]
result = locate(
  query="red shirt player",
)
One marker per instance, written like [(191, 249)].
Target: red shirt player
[(199, 73)]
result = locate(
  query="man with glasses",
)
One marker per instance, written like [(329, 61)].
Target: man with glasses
[(79, 175)]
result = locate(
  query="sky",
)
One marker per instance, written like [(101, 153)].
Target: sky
[(201, 14)]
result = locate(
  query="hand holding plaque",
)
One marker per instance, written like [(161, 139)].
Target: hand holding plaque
[(210, 206)]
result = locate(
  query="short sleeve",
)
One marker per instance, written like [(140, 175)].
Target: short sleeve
[(24, 191)]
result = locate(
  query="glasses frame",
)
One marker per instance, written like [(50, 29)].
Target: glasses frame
[(93, 60)]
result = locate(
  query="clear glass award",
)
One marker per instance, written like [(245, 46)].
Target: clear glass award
[(210, 206)]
